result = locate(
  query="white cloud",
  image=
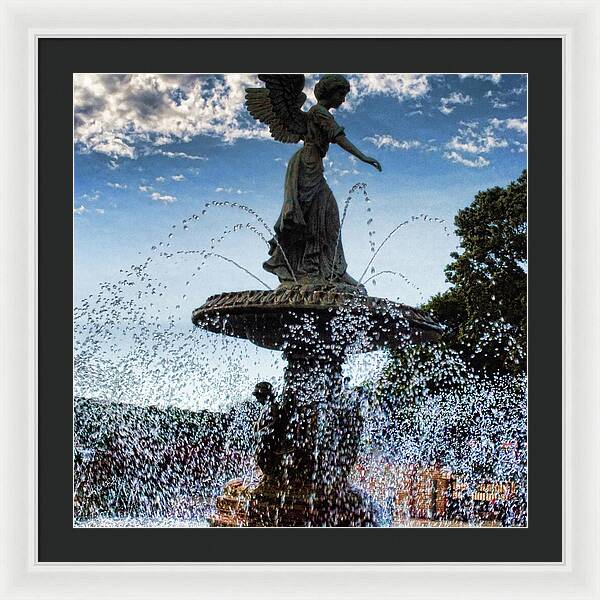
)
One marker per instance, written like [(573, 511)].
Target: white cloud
[(401, 86), (496, 103), (448, 104), (90, 197), (117, 186), (121, 115), (386, 140), (354, 161), (494, 77), (160, 179), (177, 177), (519, 125), (476, 163), (157, 196), (229, 190), (163, 197), (112, 147), (125, 115), (113, 164), (476, 140), (80, 210), (179, 155), (473, 141), (333, 170), (520, 146), (100, 211)]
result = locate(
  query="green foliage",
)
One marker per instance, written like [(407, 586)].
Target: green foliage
[(486, 307), (438, 409), (483, 350)]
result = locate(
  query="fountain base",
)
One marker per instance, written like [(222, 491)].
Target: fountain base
[(308, 439), (271, 505)]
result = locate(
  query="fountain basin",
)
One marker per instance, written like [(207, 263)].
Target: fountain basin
[(337, 319)]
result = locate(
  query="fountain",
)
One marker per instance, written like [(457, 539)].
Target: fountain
[(344, 433), (308, 444), (319, 315)]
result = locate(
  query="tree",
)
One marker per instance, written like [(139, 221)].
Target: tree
[(458, 401), (485, 310)]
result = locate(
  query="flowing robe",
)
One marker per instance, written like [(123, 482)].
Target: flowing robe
[(308, 228)]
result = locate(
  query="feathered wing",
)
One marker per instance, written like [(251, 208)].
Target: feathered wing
[(279, 105)]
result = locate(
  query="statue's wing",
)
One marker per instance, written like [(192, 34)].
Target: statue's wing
[(279, 105)]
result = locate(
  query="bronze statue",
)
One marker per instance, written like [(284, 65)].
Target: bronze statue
[(308, 437), (307, 248)]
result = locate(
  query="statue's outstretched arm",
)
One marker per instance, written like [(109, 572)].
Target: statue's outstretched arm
[(343, 142)]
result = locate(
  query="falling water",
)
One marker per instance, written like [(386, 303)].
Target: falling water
[(164, 416), (375, 252)]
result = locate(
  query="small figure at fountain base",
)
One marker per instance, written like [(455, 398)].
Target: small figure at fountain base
[(307, 446)]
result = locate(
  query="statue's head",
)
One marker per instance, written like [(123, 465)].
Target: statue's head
[(332, 90), (263, 392)]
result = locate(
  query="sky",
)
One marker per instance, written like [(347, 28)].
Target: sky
[(151, 150)]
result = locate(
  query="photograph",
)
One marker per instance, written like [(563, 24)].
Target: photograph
[(300, 300)]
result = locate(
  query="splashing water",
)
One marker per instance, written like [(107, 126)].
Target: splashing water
[(375, 252), (164, 417), (229, 260), (263, 223), (396, 273), (354, 188)]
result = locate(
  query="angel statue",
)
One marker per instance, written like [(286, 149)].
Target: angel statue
[(307, 247)]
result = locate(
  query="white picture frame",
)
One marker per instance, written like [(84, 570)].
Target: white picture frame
[(577, 23)]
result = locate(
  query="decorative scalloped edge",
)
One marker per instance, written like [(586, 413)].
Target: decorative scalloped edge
[(305, 297)]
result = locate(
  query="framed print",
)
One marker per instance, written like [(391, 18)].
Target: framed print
[(319, 303), (167, 434)]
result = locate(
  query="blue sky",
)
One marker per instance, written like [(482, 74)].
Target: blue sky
[(151, 151)]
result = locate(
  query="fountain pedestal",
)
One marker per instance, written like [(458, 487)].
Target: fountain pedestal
[(309, 437), (308, 444)]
